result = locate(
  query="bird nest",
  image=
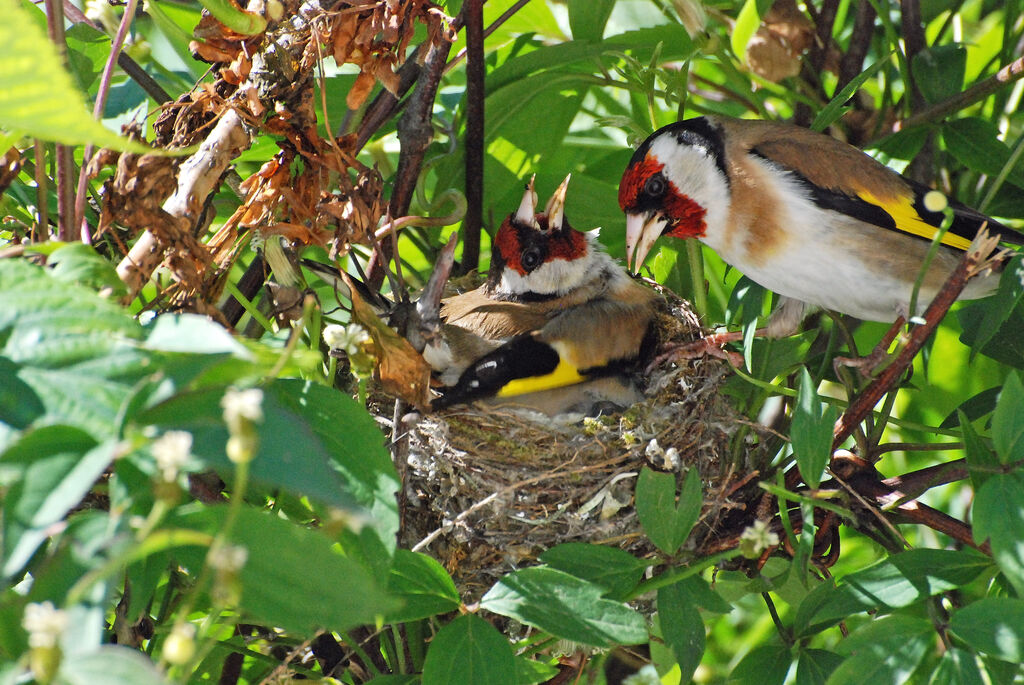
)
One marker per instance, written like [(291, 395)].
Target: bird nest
[(487, 490)]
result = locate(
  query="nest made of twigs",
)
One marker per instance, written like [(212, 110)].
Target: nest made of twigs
[(486, 490)]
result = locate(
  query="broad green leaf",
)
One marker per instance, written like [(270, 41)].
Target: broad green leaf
[(899, 581), (993, 325), (37, 95), (76, 351), (314, 442), (58, 465), (587, 18), (469, 650), (973, 408), (665, 522), (681, 628), (110, 664), (993, 625), (998, 515), (699, 593), (764, 665), (814, 666), (88, 50), (811, 432), (975, 143), (939, 71), (423, 586), (79, 263), (1008, 421), (533, 672), (293, 576), (566, 607), (957, 667), (192, 334), (613, 569), (578, 55), (887, 650)]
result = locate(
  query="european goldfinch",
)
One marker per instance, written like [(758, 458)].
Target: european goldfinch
[(556, 311), (555, 328), (803, 214)]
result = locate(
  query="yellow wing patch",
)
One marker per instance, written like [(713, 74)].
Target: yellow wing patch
[(566, 373), (908, 220)]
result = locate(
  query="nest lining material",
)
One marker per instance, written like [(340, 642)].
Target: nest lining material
[(487, 490)]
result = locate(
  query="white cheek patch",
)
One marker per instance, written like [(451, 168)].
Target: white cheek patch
[(695, 174), (556, 277)]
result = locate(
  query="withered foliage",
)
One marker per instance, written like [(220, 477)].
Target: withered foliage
[(313, 191)]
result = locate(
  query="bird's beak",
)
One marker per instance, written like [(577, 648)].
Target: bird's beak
[(528, 206), (555, 210), (641, 232)]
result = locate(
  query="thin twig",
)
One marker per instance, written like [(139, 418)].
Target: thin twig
[(472, 223), (63, 153), (862, 405), (97, 113), (976, 93)]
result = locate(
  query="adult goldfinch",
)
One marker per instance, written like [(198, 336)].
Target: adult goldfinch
[(556, 311), (803, 214)]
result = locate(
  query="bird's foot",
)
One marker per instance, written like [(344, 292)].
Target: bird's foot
[(874, 362), (708, 346)]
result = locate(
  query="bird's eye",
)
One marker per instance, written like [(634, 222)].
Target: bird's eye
[(531, 258), (655, 186)]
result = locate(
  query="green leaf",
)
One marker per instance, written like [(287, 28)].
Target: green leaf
[(811, 432), (998, 515), (423, 585), (681, 628), (314, 442), (293, 577), (37, 95), (76, 351), (469, 650), (837, 105), (982, 462), (993, 325), (888, 650), (939, 71), (973, 408), (666, 523), (1008, 421), (192, 334), (566, 607), (613, 569), (993, 625), (80, 264), (587, 18), (957, 667), (110, 664), (747, 23), (899, 581), (533, 672), (814, 666), (975, 143), (57, 466), (764, 665)]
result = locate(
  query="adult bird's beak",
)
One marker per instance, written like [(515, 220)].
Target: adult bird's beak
[(641, 232), (555, 210), (528, 206)]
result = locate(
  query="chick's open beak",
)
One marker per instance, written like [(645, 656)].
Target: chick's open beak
[(555, 209), (528, 206), (641, 232)]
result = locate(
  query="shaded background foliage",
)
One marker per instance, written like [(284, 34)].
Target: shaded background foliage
[(333, 125)]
